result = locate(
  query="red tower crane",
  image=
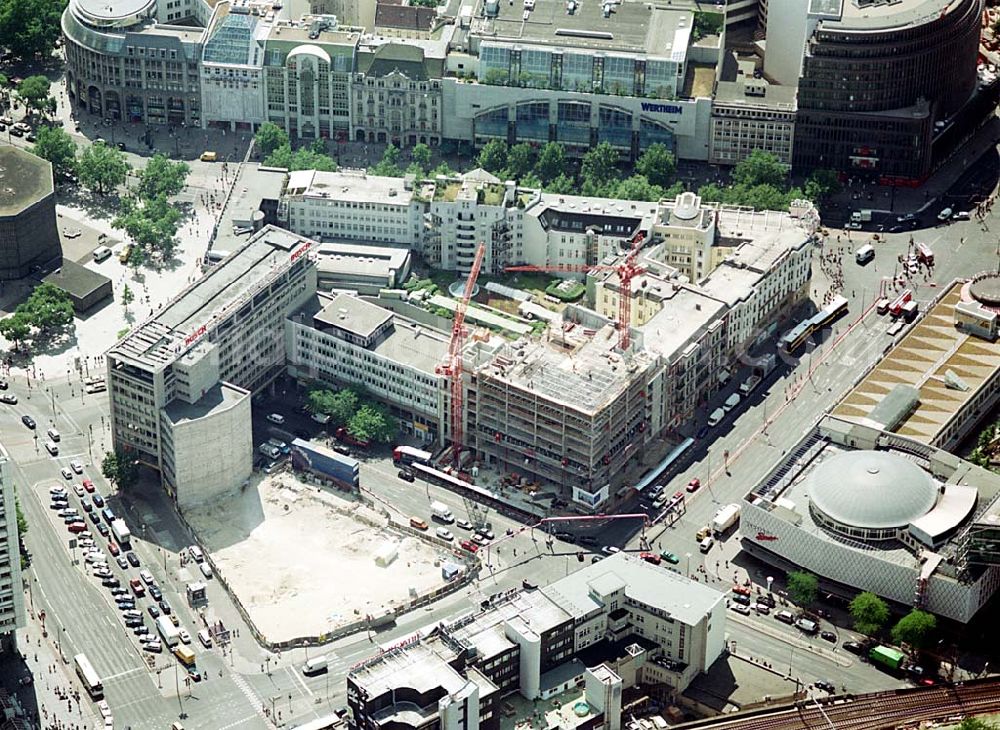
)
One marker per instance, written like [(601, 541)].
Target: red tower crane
[(626, 270), (452, 367)]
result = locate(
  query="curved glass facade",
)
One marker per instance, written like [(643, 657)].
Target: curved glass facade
[(493, 123), (533, 121), (615, 127), (574, 123), (652, 133)]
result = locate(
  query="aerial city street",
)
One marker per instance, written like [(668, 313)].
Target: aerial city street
[(483, 365)]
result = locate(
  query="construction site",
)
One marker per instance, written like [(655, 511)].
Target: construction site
[(350, 563)]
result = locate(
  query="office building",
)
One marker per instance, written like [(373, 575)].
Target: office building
[(869, 510), (12, 616), (876, 81), (396, 89), (136, 61), (347, 341), (751, 114), (584, 639), (180, 383), (29, 237), (366, 269)]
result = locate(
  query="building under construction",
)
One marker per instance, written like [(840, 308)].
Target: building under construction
[(569, 410)]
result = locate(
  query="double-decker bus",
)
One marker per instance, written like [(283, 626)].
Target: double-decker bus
[(85, 671)]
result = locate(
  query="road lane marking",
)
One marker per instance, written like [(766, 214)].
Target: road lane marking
[(298, 679), (239, 722), (127, 672)]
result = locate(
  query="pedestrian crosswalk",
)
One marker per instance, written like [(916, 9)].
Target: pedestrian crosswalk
[(255, 701)]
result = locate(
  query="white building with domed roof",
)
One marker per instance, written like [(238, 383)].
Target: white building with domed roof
[(868, 510)]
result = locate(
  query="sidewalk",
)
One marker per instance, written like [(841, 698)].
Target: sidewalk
[(55, 699)]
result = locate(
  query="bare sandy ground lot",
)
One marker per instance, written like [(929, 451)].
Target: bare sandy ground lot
[(302, 562)]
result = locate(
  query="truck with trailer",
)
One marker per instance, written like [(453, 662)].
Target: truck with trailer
[(441, 512), (725, 518), (861, 216), (887, 658), (168, 632), (325, 463), (121, 532)]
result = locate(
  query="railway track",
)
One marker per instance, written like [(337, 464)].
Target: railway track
[(874, 711)]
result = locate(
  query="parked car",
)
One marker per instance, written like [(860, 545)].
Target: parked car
[(469, 545), (853, 647), (825, 686), (694, 485), (133, 559), (650, 558), (28, 421), (828, 636)]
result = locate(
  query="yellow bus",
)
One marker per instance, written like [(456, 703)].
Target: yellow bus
[(184, 655)]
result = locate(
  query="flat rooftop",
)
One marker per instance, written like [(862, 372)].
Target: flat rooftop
[(735, 278), (633, 27), (24, 180), (349, 186), (77, 280), (925, 356), (869, 16), (685, 314), (348, 259), (162, 339), (418, 666), (733, 94), (576, 367), (254, 186), (220, 397), (677, 596), (577, 213), (533, 611), (354, 315)]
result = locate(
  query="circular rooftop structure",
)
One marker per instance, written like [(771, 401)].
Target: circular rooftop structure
[(687, 207), (985, 288), (870, 494), (113, 13)]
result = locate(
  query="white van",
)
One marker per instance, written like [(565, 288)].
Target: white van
[(196, 554), (276, 418), (864, 254), (101, 253), (706, 544), (52, 448), (716, 417), (944, 214), (205, 638), (53, 434), (731, 402), (316, 665)]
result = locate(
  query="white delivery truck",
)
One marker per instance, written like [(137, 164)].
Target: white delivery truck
[(725, 518), (121, 532), (441, 512), (168, 632)]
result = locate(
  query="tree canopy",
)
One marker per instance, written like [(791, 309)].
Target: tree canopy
[(152, 224), (46, 310), (373, 423), (34, 91), (340, 405), (102, 168), (520, 161), (56, 146), (304, 158), (493, 156), (421, 155), (915, 628), (551, 162), (160, 176), (30, 27), (657, 164), (120, 469), (759, 168), (269, 138), (599, 167), (802, 587), (869, 613)]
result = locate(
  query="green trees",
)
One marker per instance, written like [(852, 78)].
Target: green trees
[(373, 423), (915, 628), (364, 419), (520, 161), (102, 168), (340, 405), (22, 530), (974, 723), (657, 164), (56, 146), (160, 176), (389, 164), (119, 469), (304, 158), (551, 162), (127, 297), (802, 587), (30, 27), (269, 138), (421, 155), (760, 181), (759, 168), (47, 310), (493, 156), (152, 225), (599, 167), (869, 613), (34, 92), (821, 184)]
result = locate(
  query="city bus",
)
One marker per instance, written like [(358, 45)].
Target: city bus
[(91, 682), (409, 455), (797, 336)]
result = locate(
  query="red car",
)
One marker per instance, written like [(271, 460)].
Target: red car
[(742, 590), (650, 558), (88, 485), (77, 527), (678, 496), (113, 549), (694, 485), (137, 587), (470, 546)]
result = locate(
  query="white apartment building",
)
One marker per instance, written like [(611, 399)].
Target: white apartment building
[(11, 592), (180, 384), (351, 205), (348, 341)]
